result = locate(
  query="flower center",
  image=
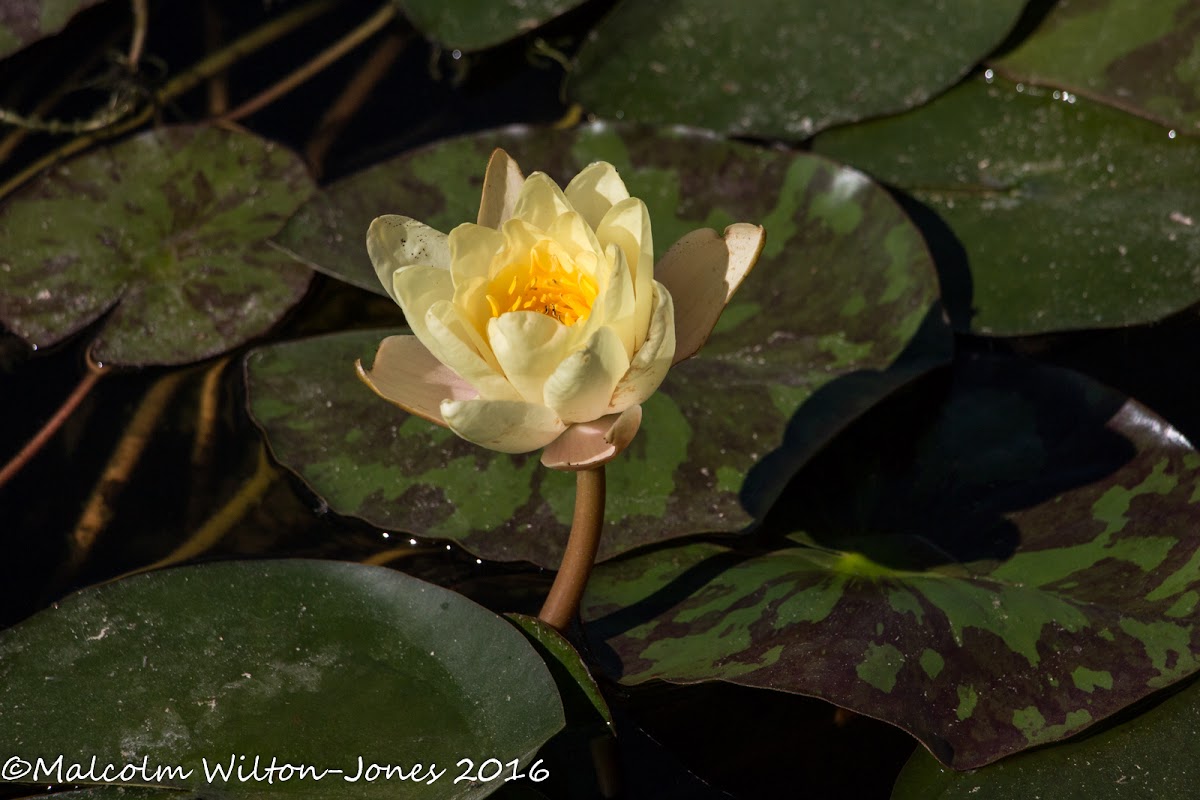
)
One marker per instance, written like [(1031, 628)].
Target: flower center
[(549, 284)]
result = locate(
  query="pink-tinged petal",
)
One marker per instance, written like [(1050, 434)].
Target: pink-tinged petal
[(458, 346), (595, 190), (649, 367), (406, 374), (627, 225), (504, 425), (591, 444), (580, 388), (529, 346), (540, 201), (472, 248), (395, 242), (501, 185), (702, 271)]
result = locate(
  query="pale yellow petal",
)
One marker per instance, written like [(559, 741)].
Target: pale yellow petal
[(472, 248), (416, 289), (407, 374), (529, 346), (395, 242), (540, 201), (501, 185), (507, 426), (575, 235), (582, 386), (519, 239), (595, 190), (649, 367), (457, 345), (614, 306), (702, 271), (627, 225), (588, 445)]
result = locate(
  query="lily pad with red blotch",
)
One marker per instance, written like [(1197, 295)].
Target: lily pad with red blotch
[(992, 573), (160, 241)]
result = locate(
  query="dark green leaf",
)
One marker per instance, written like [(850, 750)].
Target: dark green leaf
[(1138, 55), (840, 310), (311, 662), (1073, 215), (574, 679), (164, 236), (1153, 755), (23, 23), (476, 24), (1026, 565), (781, 70)]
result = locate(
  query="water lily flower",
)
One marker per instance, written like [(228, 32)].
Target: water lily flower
[(546, 323)]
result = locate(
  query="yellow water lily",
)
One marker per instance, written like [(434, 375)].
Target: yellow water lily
[(542, 325)]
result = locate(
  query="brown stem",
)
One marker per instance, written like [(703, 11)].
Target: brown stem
[(206, 68), (351, 100), (141, 20), (218, 85), (52, 425), (563, 600), (323, 59)]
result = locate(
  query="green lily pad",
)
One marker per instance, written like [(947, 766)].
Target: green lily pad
[(24, 23), (478, 24), (1153, 755), (163, 238), (840, 310), (781, 70), (997, 573), (1138, 55), (1073, 215), (307, 662)]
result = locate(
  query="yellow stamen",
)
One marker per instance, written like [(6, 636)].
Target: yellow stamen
[(550, 284)]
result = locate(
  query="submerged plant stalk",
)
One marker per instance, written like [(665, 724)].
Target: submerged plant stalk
[(563, 600)]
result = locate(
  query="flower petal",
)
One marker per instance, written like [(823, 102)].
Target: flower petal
[(395, 242), (615, 305), (529, 346), (590, 444), (504, 425), (416, 289), (627, 225), (702, 271), (580, 389), (457, 345), (595, 190), (540, 201), (650, 365), (407, 374), (575, 235), (501, 184), (472, 248)]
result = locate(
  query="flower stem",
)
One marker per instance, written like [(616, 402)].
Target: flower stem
[(563, 600), (95, 371)]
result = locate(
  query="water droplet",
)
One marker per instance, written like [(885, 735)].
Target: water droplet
[(456, 54), (1171, 134)]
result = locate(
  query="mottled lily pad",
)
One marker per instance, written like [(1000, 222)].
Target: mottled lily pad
[(1153, 755), (839, 311), (1073, 215), (307, 662), (781, 70), (477, 24), (1138, 55), (992, 575), (23, 23), (164, 236)]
